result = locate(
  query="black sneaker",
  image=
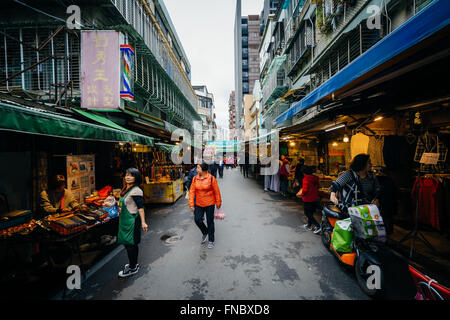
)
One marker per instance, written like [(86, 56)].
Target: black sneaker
[(127, 271), (317, 229), (307, 227)]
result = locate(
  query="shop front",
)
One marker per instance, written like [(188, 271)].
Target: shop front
[(36, 240), (400, 117)]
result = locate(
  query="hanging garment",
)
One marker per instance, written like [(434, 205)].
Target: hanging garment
[(275, 183), (375, 150), (359, 144), (394, 146), (388, 201), (430, 197), (267, 182), (445, 221)]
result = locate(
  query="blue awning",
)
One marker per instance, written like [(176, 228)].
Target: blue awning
[(431, 19)]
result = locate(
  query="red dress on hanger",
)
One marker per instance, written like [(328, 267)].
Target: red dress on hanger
[(429, 201)]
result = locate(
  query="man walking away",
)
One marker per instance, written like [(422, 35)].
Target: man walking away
[(221, 165)]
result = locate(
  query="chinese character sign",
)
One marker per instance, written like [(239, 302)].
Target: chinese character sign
[(100, 64)]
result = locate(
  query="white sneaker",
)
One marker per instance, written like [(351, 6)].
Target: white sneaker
[(126, 272), (204, 237), (210, 245)]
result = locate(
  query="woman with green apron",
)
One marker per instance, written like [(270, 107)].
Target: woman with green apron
[(131, 220)]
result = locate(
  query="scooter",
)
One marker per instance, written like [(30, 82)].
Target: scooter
[(364, 252)]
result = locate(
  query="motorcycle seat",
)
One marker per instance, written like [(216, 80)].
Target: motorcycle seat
[(332, 211)]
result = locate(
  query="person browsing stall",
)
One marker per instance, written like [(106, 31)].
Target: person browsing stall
[(204, 194), (357, 186), (131, 220), (57, 199)]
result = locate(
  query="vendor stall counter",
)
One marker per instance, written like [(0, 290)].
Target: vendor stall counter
[(163, 192)]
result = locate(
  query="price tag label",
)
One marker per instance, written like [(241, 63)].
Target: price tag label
[(430, 158)]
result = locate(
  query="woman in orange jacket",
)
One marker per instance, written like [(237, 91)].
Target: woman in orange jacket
[(204, 194)]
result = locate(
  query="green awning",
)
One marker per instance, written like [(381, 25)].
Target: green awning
[(159, 124), (35, 121), (101, 120), (164, 146)]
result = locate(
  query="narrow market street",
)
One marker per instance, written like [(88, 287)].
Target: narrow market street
[(262, 252)]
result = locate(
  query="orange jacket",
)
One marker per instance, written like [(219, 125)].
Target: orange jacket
[(206, 190)]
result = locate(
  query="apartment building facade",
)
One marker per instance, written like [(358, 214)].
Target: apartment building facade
[(232, 114), (206, 110), (41, 61), (247, 41), (305, 43)]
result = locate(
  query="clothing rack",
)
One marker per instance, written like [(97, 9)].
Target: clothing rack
[(437, 175), (415, 234)]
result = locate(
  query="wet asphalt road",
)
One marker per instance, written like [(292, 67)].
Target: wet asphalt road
[(262, 252)]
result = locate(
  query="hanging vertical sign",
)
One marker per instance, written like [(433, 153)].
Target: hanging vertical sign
[(127, 72), (100, 77)]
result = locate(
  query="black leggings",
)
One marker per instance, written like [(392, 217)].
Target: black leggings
[(199, 214), (133, 252), (133, 249), (310, 208)]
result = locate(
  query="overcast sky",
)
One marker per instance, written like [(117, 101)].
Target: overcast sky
[(206, 31)]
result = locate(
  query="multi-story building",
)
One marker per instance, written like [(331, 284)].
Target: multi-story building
[(247, 42), (206, 110), (97, 84), (255, 111), (232, 115), (248, 103), (41, 61), (272, 60), (321, 38), (270, 7)]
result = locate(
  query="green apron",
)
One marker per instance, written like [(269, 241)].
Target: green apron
[(127, 222)]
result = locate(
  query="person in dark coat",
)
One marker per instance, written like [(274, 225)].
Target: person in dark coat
[(191, 175), (213, 167), (299, 174)]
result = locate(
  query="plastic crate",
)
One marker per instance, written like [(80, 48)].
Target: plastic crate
[(68, 226)]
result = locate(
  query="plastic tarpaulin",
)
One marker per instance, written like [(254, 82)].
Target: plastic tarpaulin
[(36, 121), (421, 26)]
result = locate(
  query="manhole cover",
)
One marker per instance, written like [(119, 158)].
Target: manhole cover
[(166, 236), (172, 240)]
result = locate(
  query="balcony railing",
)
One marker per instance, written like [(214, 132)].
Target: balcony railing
[(274, 82), (145, 24)]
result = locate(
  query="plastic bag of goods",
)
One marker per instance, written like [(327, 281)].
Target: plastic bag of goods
[(219, 214), (109, 202), (113, 211), (342, 238), (105, 192), (367, 222)]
